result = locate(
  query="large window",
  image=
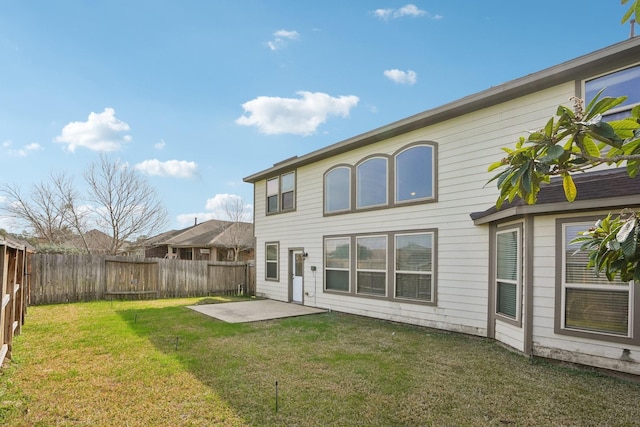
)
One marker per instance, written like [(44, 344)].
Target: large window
[(398, 266), (337, 270), (337, 188), (371, 265), (621, 83), (371, 183), (414, 173), (507, 272), (281, 193), (383, 180), (414, 266), (271, 261), (590, 303)]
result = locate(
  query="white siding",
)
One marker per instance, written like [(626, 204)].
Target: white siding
[(466, 146), (546, 343)]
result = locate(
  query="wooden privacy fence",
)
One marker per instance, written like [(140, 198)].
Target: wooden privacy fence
[(70, 278), (14, 292)]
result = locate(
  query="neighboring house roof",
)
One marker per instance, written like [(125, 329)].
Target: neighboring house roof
[(577, 69), (199, 235), (161, 238), (206, 234), (97, 241), (240, 234), (608, 188)]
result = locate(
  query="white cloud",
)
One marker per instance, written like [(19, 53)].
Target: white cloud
[(402, 77), (24, 151), (174, 168), (302, 116), (215, 209), (101, 132), (160, 145), (407, 10), (281, 37)]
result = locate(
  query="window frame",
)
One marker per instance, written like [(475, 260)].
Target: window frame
[(391, 181), (505, 317), (279, 195), (325, 268), (359, 270), (430, 273), (615, 113), (327, 194), (267, 261), (396, 180), (633, 327), (358, 186), (390, 266)]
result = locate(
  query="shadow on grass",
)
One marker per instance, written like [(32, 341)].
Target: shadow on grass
[(338, 369), (241, 362)]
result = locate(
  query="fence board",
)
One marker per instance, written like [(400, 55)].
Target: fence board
[(69, 278)]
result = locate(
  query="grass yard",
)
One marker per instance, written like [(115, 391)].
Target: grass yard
[(145, 363)]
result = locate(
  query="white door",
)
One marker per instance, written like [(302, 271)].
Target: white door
[(296, 281)]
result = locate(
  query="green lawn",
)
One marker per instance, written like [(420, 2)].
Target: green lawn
[(144, 363)]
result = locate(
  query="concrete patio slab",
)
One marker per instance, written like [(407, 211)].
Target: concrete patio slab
[(254, 311)]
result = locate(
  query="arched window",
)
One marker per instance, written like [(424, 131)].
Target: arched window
[(415, 174), (337, 190), (371, 183)]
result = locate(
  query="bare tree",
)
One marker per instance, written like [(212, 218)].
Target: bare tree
[(239, 235), (126, 206), (70, 200), (42, 211)]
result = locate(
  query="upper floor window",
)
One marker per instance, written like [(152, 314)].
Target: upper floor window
[(281, 193), (382, 180), (414, 173), (371, 183), (621, 83), (337, 189)]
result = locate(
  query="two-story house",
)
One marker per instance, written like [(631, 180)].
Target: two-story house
[(398, 224)]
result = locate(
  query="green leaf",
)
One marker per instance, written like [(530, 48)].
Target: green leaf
[(553, 153), (495, 165), (548, 129), (632, 168), (590, 147), (604, 105), (570, 190)]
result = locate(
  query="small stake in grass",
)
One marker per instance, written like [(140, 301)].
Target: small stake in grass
[(276, 396), (135, 320), (177, 343)]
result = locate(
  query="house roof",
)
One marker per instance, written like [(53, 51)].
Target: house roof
[(603, 189), (240, 233), (615, 56), (97, 241), (199, 235)]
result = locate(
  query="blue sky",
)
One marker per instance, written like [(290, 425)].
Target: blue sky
[(198, 94)]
